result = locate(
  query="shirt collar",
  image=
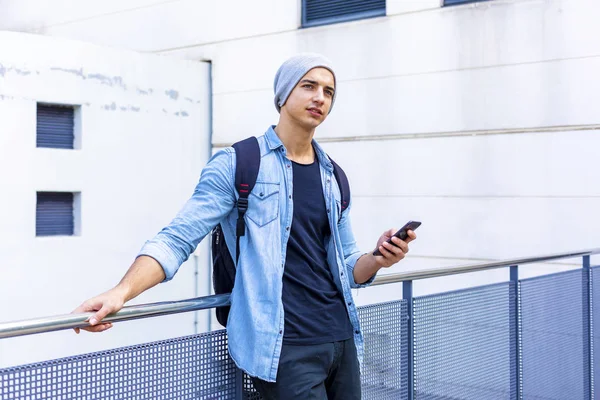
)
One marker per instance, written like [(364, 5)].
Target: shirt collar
[(275, 143)]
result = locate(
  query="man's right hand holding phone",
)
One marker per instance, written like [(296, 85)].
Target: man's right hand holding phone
[(392, 246)]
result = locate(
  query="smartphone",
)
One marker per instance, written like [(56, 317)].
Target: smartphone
[(402, 234)]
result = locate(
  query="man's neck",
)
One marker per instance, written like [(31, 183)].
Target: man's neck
[(297, 141)]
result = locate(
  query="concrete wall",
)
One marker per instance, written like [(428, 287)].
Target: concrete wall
[(478, 120), (145, 128), (151, 25)]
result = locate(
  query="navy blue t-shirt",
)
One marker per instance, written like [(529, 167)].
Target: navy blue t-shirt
[(314, 309)]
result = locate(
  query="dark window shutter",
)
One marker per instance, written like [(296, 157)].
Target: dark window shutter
[(55, 125), (54, 214), (455, 2), (323, 12)]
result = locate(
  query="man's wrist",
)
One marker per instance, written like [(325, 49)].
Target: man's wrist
[(366, 267), (123, 291), (375, 264)]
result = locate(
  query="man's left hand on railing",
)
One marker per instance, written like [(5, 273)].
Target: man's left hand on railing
[(144, 273), (104, 304)]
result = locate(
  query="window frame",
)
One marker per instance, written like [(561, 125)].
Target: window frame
[(342, 18)]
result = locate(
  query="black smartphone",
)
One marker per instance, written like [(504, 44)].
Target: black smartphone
[(402, 234)]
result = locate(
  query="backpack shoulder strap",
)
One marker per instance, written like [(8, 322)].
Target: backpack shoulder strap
[(342, 180), (247, 156)]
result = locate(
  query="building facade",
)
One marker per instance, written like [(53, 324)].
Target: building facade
[(477, 119)]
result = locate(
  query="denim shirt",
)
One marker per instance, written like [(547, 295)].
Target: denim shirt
[(256, 320)]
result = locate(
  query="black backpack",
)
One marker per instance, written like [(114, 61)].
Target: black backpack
[(247, 154)]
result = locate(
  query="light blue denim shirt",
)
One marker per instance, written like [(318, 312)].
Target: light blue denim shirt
[(256, 321)]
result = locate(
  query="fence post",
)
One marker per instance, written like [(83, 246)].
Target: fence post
[(515, 335), (407, 294), (239, 384), (588, 367)]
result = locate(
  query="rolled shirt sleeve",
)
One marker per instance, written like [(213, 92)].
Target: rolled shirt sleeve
[(213, 199), (351, 251)]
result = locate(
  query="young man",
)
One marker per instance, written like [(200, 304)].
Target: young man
[(293, 325)]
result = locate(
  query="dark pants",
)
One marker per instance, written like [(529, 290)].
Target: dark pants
[(327, 371)]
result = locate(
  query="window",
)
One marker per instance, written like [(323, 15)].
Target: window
[(323, 12), (55, 126), (454, 2), (55, 214)]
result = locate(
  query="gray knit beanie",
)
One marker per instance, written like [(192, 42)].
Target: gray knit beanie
[(292, 70)]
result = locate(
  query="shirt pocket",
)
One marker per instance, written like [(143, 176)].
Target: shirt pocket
[(263, 203)]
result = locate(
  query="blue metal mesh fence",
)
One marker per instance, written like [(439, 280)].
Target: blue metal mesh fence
[(465, 347), (466, 344), (553, 337), (199, 367), (595, 313), (194, 367), (249, 392), (384, 372)]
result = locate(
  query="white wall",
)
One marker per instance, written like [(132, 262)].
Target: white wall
[(151, 25), (405, 6), (145, 137), (508, 65), (479, 120)]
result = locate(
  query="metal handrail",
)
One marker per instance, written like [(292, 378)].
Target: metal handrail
[(435, 272), (69, 321)]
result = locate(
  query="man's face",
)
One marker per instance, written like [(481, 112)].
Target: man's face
[(310, 101)]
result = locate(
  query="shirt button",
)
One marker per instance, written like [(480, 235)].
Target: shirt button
[(288, 165), (350, 303), (357, 332), (342, 274), (287, 228), (290, 196), (328, 210), (280, 332)]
